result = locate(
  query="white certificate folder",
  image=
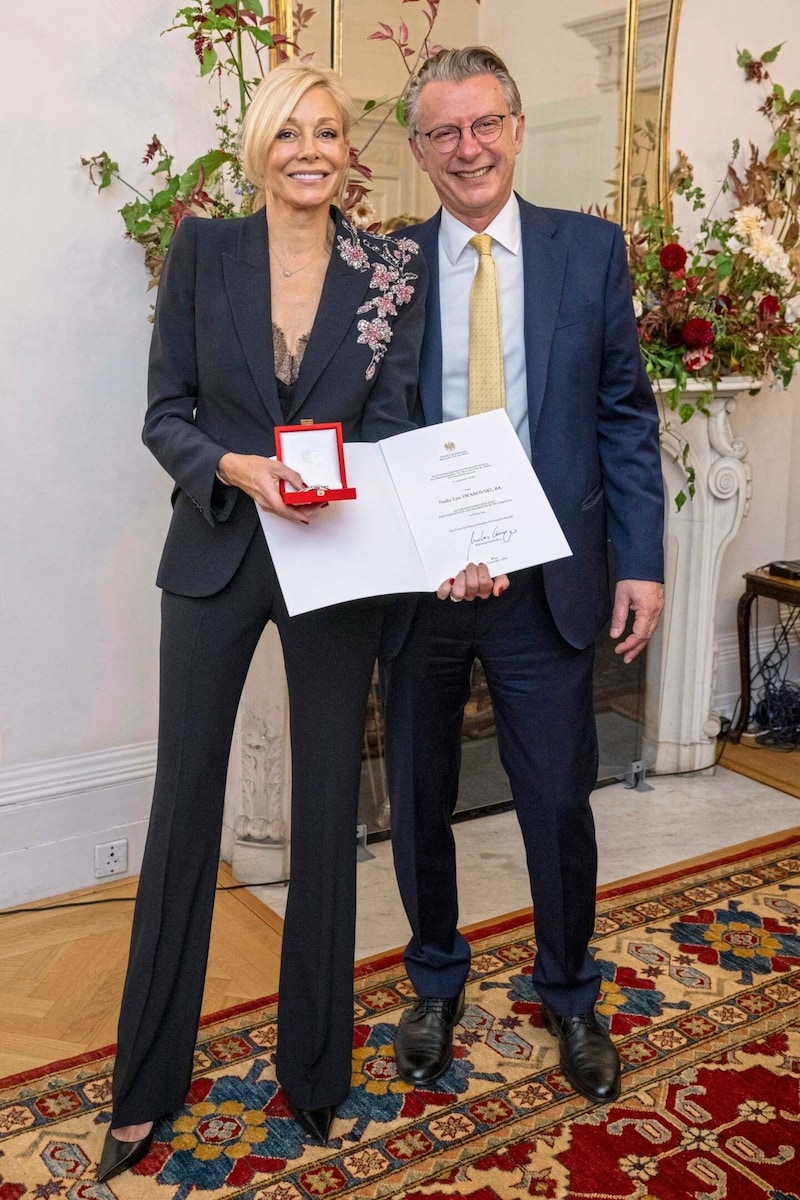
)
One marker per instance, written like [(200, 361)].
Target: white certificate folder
[(428, 502)]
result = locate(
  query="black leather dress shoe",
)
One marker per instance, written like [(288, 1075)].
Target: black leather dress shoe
[(120, 1156), (316, 1121), (589, 1058), (423, 1044)]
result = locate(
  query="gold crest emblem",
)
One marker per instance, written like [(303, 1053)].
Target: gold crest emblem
[(449, 445)]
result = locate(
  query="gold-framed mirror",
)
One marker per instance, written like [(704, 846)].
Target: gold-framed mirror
[(595, 83), (645, 163)]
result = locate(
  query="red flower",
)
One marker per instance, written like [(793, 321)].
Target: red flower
[(698, 332), (769, 307), (672, 257), (153, 147), (695, 360), (179, 211)]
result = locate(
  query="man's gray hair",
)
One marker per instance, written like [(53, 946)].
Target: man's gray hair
[(455, 66)]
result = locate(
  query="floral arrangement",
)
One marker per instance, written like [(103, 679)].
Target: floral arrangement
[(229, 39), (728, 303)]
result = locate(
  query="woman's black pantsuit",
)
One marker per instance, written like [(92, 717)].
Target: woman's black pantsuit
[(212, 389), (206, 647)]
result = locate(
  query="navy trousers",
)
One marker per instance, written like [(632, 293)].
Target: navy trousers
[(206, 647), (541, 690)]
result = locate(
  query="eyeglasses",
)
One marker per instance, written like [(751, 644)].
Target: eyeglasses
[(485, 130)]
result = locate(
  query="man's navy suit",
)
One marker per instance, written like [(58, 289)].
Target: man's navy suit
[(594, 446)]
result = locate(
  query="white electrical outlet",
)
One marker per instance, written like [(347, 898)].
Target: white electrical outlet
[(111, 858)]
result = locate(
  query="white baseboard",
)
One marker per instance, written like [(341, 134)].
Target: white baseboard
[(53, 813)]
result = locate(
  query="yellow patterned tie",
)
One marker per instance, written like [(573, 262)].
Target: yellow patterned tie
[(487, 388)]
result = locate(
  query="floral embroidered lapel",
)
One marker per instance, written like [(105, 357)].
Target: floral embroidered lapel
[(366, 274), (386, 260)]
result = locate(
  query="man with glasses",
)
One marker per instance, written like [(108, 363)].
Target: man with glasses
[(533, 314)]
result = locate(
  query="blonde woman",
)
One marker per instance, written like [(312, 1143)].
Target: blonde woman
[(284, 315)]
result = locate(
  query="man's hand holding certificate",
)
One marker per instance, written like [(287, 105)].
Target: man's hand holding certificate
[(429, 502)]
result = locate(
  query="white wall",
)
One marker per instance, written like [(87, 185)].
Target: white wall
[(84, 505), (712, 105)]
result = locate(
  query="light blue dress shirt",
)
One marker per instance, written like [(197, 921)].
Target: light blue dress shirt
[(458, 262)]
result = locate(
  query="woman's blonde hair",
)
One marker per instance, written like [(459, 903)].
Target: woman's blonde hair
[(273, 103)]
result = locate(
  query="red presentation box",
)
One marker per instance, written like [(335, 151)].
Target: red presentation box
[(317, 453)]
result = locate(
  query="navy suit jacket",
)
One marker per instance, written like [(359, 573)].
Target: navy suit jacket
[(212, 382), (593, 420)]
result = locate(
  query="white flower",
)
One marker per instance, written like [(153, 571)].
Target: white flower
[(638, 307), (791, 311), (363, 215), (747, 221), (765, 248)]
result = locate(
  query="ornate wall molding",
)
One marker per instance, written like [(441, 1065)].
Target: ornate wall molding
[(608, 34)]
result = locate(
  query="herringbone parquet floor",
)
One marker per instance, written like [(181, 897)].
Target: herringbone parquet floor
[(61, 970)]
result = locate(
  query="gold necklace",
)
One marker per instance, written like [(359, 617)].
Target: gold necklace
[(287, 273)]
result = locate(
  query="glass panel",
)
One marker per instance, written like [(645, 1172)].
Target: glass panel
[(313, 28), (619, 692), (656, 22)]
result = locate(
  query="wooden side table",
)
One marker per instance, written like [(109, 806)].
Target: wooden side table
[(757, 583)]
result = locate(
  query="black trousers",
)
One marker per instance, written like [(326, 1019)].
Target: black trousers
[(206, 647), (541, 689)]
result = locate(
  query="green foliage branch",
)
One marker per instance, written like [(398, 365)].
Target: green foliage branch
[(229, 39)]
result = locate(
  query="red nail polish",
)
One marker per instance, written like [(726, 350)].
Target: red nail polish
[(500, 591), (452, 580)]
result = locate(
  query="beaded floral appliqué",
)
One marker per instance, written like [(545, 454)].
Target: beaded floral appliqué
[(390, 280)]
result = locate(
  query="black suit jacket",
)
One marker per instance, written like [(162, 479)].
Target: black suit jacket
[(593, 420), (212, 378)]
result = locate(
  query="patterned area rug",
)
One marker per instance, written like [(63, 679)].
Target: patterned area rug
[(701, 970)]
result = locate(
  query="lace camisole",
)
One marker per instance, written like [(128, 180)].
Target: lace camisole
[(287, 367)]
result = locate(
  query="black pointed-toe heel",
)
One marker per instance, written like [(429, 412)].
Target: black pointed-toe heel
[(316, 1121), (120, 1156)]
